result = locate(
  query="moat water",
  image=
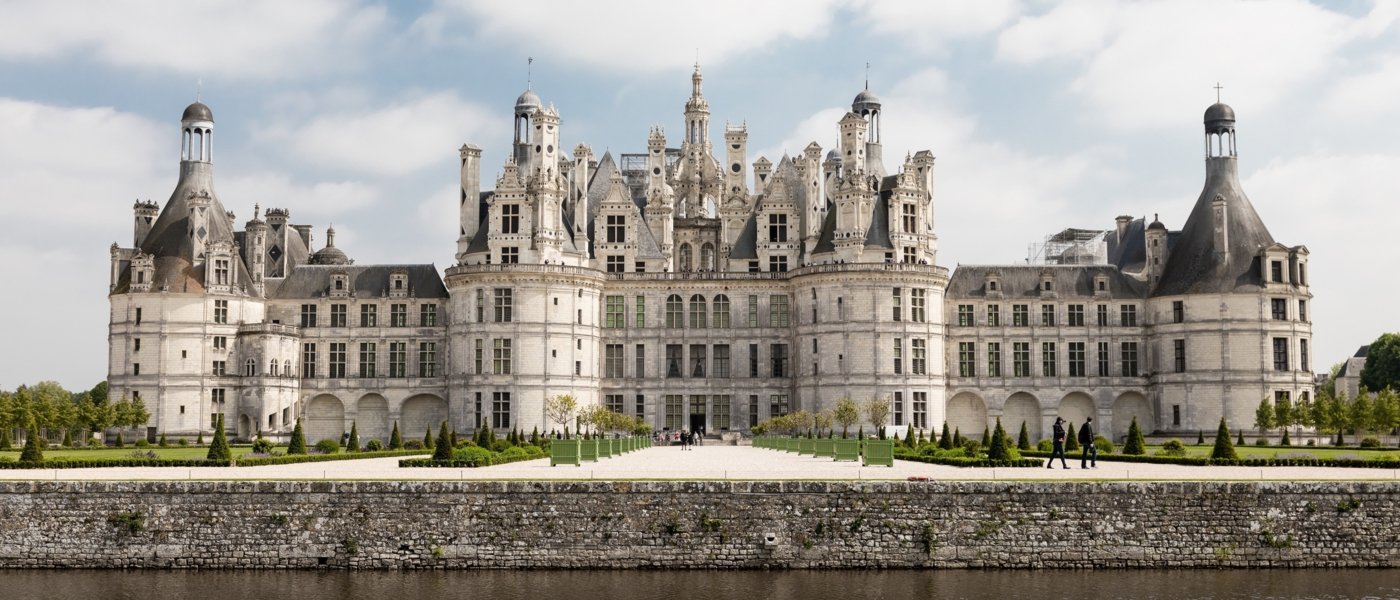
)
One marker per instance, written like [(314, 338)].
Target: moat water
[(676, 585)]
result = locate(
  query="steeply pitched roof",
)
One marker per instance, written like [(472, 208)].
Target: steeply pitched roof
[(1022, 282), (1194, 264), (367, 281)]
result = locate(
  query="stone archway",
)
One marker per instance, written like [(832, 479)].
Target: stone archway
[(245, 428), (1127, 406), (1022, 407), (325, 419), (967, 412), (1074, 408), (372, 418), (422, 413)]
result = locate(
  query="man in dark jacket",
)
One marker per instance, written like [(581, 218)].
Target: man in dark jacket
[(1090, 455), (1059, 439)]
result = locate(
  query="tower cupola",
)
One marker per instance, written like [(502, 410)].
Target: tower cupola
[(197, 133)]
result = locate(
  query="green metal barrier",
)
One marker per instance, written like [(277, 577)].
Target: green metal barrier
[(823, 447), (847, 450), (879, 453), (564, 452), (804, 446), (588, 450)]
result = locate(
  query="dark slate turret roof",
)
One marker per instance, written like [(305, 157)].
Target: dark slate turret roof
[(1195, 265), (197, 112), (1022, 282), (366, 281)]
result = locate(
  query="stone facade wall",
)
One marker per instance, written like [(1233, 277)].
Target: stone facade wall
[(460, 525)]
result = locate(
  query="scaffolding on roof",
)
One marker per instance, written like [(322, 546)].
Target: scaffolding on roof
[(1072, 246)]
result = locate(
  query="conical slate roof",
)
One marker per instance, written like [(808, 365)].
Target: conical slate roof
[(1195, 264)]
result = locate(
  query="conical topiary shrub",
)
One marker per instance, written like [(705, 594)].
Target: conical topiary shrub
[(1285, 441), (67, 438), (162, 443), (121, 443), (33, 451), (957, 438), (946, 442), (443, 451), (1240, 441), (218, 448), (1135, 445), (1023, 441), (909, 437), (199, 439), (428, 439), (1071, 438), (1000, 447), (1223, 450), (353, 445), (298, 443), (5, 442), (986, 436), (395, 440), (1200, 438)]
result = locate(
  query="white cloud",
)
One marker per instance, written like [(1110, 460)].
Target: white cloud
[(55, 316), (318, 202), (1143, 61), (237, 39), (1367, 96), (394, 140), (927, 24), (639, 34)]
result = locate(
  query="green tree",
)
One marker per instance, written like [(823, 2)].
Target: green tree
[(1359, 414), (1223, 450), (5, 442), (428, 438), (957, 437), (1264, 416), (845, 414), (443, 451), (1285, 415), (1135, 444), (986, 435), (298, 443), (353, 443), (1023, 440), (1240, 441), (121, 442), (1382, 368), (1000, 446), (67, 437), (1200, 438), (877, 412), (33, 451), (218, 449), (1386, 412), (1071, 440), (395, 440), (560, 409), (946, 441), (909, 437)]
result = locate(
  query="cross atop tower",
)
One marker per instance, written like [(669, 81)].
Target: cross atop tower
[(1218, 87), (867, 75), (529, 72)]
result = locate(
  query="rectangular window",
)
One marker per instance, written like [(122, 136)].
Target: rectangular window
[(1127, 315), (967, 359), (1047, 315), (135, 368), (1178, 311), (480, 306), (1276, 271), (308, 361), (1077, 360), (1020, 315), (1102, 311), (721, 365), (1303, 310), (1179, 356), (1280, 308), (500, 410), (778, 311), (994, 359), (1102, 356), (338, 315), (898, 305), (221, 271), (136, 345), (220, 343), (780, 360), (1280, 354), (616, 264), (641, 312), (720, 420), (641, 367), (367, 355), (1176, 415), (1047, 359), (753, 360), (612, 360), (965, 317), (617, 230), (216, 398), (398, 315), (1303, 356), (675, 404), (614, 313), (777, 263), (720, 316), (398, 359), (613, 402), (898, 406), (673, 360), (337, 364), (777, 228), (898, 356), (510, 218), (919, 359), (504, 300), (641, 406), (427, 359), (1128, 359), (1021, 359), (219, 368), (753, 311), (916, 305), (920, 410), (675, 312), (221, 311), (753, 410), (427, 315), (777, 405), (308, 315), (478, 356), (1075, 315), (500, 356), (138, 316), (369, 315), (994, 315), (908, 219)]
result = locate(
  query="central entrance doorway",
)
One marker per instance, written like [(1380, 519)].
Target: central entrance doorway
[(697, 414)]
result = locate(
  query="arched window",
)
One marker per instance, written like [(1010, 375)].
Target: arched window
[(675, 312), (272, 368), (707, 257), (685, 258), (250, 368), (697, 312), (287, 369), (720, 319)]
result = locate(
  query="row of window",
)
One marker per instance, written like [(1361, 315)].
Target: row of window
[(369, 315), (1077, 359), (1021, 315), (338, 352)]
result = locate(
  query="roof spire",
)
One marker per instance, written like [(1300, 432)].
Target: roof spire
[(198, 89), (529, 72), (867, 75)]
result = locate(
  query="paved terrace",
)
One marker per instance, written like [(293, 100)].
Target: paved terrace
[(702, 463)]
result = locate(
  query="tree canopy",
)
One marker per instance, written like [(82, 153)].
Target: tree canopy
[(1382, 368)]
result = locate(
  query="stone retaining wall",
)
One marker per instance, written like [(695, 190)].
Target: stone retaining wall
[(464, 525)]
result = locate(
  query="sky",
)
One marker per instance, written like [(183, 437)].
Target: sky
[(1042, 116)]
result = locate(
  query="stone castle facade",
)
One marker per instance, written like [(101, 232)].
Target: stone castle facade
[(687, 291)]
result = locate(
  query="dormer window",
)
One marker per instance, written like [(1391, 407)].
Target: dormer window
[(1276, 271), (398, 284), (1046, 285), (339, 284)]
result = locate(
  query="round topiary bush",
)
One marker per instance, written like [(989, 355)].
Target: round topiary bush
[(1261, 441), (1045, 446), (1173, 448), (515, 453), (328, 446), (262, 446), (413, 445), (142, 443), (1104, 445), (374, 446), (1370, 442), (477, 457)]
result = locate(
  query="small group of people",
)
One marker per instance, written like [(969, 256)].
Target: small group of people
[(1088, 458), (684, 437)]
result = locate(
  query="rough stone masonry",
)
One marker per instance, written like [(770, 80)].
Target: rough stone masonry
[(742, 525)]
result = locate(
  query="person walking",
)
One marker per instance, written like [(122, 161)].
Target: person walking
[(1090, 455), (1059, 439)]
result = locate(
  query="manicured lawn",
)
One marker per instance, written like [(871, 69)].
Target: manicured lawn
[(172, 453), (1287, 451)]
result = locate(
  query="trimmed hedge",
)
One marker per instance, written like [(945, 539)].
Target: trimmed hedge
[(497, 458), (963, 461), (262, 461), (127, 462), (1201, 461)]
